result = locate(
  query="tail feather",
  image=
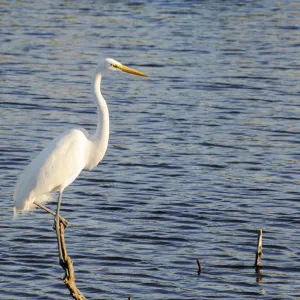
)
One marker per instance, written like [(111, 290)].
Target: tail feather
[(28, 204)]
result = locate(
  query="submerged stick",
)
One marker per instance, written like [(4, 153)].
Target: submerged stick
[(199, 266), (259, 249), (69, 278)]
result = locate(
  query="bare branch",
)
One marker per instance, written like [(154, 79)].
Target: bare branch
[(69, 278)]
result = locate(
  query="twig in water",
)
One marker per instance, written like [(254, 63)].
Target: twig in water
[(258, 249), (199, 266)]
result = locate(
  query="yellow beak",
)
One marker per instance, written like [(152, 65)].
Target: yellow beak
[(131, 71)]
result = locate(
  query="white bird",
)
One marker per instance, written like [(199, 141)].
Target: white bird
[(59, 164)]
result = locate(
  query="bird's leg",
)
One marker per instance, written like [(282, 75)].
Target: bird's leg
[(57, 228), (63, 220)]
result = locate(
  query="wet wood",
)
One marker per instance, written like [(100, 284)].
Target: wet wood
[(258, 249)]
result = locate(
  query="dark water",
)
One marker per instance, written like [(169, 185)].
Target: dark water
[(202, 154)]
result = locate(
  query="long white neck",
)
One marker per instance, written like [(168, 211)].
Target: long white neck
[(99, 140)]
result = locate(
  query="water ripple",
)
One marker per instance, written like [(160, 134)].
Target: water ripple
[(202, 154)]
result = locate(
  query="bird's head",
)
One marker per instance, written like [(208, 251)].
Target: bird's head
[(114, 66)]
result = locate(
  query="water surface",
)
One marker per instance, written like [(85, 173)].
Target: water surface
[(202, 154)]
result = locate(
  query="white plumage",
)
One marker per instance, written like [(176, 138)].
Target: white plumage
[(59, 164), (56, 167)]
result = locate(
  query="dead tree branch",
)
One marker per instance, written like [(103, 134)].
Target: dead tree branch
[(69, 278)]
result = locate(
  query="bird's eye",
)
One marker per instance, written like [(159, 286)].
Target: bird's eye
[(114, 66)]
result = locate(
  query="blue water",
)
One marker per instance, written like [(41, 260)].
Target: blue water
[(202, 154)]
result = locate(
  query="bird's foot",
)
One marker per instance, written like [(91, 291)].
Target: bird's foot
[(62, 220)]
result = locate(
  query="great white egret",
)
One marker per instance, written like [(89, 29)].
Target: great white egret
[(59, 164)]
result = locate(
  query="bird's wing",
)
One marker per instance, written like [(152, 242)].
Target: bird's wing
[(55, 167)]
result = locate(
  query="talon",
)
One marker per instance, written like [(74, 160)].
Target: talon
[(64, 221)]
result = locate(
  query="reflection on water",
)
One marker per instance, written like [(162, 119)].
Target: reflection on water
[(202, 154)]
